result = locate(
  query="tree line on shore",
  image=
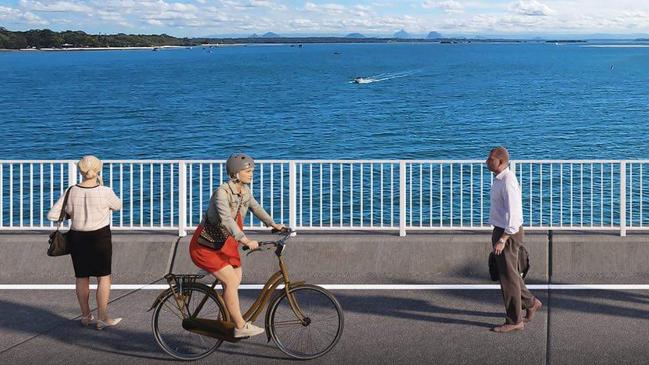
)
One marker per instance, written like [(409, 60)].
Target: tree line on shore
[(45, 38)]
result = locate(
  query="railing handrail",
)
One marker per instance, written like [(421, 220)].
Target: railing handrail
[(330, 161), (394, 194)]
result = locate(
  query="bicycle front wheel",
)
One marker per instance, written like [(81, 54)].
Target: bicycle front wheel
[(168, 329), (320, 330)]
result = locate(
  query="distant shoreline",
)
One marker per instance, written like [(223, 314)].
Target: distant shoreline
[(239, 42), (81, 49)]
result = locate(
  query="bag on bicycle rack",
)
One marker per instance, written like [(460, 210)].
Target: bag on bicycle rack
[(58, 243), (214, 234)]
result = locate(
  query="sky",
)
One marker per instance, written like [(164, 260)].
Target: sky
[(197, 18)]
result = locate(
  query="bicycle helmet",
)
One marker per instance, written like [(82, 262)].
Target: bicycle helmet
[(238, 162)]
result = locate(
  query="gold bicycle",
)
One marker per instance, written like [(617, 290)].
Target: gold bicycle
[(190, 319)]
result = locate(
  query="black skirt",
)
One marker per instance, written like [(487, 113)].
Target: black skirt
[(91, 252)]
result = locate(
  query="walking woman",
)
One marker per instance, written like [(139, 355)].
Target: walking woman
[(89, 205), (227, 207)]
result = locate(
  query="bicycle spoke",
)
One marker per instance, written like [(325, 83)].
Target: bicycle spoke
[(329, 334), (173, 310), (311, 339), (287, 323)]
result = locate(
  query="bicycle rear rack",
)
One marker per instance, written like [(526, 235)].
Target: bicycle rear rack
[(180, 281)]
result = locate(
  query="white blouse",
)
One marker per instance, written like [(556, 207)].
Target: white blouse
[(89, 208)]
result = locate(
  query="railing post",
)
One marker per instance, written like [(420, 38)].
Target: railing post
[(292, 195), (622, 198), (182, 198), (72, 173), (402, 198)]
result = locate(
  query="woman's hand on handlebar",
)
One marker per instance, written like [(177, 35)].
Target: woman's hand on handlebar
[(251, 244), (278, 227)]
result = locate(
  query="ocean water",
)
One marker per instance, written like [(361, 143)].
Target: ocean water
[(426, 101)]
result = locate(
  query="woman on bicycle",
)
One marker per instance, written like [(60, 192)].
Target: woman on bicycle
[(228, 206)]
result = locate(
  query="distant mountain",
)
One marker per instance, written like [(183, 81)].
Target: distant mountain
[(270, 35), (434, 35), (254, 35), (355, 35), (402, 34)]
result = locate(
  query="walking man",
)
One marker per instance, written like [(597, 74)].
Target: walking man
[(506, 216)]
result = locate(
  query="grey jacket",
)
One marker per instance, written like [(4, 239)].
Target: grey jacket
[(224, 203)]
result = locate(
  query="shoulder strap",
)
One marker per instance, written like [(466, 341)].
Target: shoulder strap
[(65, 203)]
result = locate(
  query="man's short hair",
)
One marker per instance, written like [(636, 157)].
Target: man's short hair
[(501, 152)]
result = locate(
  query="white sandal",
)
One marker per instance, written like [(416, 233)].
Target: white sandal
[(88, 320), (107, 323)]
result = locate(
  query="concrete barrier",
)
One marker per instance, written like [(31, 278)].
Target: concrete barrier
[(140, 257), (601, 258), (353, 258), (326, 258)]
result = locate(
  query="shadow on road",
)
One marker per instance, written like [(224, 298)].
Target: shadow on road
[(39, 322)]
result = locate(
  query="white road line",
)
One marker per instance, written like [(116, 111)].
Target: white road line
[(351, 286)]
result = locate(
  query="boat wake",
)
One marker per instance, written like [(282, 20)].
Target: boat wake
[(381, 77)]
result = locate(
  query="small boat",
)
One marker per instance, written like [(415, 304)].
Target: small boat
[(361, 80)]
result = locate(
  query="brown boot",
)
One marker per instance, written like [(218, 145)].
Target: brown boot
[(532, 310), (509, 327)]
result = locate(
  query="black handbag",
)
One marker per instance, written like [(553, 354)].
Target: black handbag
[(58, 241), (523, 264), (214, 234)]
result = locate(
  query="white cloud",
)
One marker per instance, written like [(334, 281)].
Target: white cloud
[(380, 17), (251, 5), (8, 14), (302, 24), (531, 7), (325, 8), (261, 3), (55, 6), (113, 18), (449, 6)]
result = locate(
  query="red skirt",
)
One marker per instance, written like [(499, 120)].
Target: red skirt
[(212, 260)]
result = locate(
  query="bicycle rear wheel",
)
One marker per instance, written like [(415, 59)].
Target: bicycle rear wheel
[(318, 333), (168, 329)]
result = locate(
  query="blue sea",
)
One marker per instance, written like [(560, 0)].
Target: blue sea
[(424, 101)]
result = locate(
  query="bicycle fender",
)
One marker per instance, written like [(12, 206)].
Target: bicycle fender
[(159, 299), (295, 284)]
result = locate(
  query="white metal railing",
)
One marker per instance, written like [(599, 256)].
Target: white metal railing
[(342, 194)]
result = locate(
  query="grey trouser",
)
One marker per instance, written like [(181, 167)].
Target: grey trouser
[(515, 293)]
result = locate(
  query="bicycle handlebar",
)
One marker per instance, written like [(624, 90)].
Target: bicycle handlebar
[(285, 232)]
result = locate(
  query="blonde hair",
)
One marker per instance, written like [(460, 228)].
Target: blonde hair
[(89, 167)]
